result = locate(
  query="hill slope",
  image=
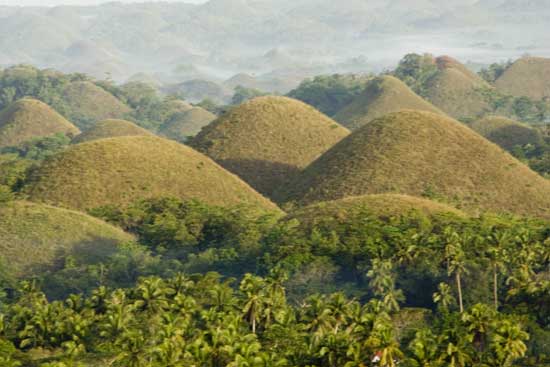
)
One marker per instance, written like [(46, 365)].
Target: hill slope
[(35, 236), (420, 153), (90, 103), (111, 128), (29, 118), (506, 133), (382, 95), (267, 140), (118, 171), (456, 90), (186, 124), (381, 205), (528, 76)]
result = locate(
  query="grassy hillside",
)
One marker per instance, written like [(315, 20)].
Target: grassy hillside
[(507, 133), (528, 76), (120, 170), (456, 90), (186, 124), (382, 95), (35, 237), (381, 205), (27, 119), (90, 103), (110, 129), (267, 140), (423, 154)]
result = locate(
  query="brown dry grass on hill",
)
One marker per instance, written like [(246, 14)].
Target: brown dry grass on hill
[(381, 205), (186, 124), (528, 76), (111, 128), (267, 140), (507, 133), (87, 100), (382, 95), (27, 119), (33, 237), (118, 171), (423, 154), (458, 93)]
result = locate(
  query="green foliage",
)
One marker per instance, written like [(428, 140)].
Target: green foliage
[(491, 73), (243, 94), (21, 81), (40, 148), (416, 70), (330, 93)]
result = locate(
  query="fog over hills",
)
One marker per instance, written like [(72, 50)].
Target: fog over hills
[(284, 40)]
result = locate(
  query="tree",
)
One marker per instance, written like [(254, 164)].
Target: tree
[(382, 282)]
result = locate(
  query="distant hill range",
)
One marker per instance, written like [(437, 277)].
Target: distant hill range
[(273, 41)]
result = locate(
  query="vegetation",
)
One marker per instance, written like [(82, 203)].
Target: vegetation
[(272, 316), (267, 140), (243, 94), (330, 93), (422, 154), (382, 95), (29, 119), (120, 170), (494, 71), (111, 129)]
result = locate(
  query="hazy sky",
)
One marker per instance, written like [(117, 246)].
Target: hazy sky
[(81, 2)]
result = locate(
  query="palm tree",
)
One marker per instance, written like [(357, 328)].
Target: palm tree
[(443, 297), (382, 282), (384, 344), (253, 287), (499, 242), (424, 349), (456, 260), (508, 343)]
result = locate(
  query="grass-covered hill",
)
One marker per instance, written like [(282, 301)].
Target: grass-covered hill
[(90, 103), (28, 119), (118, 171), (528, 76), (423, 154), (381, 96), (267, 140), (507, 133), (186, 124), (34, 237), (456, 90), (111, 128), (379, 205)]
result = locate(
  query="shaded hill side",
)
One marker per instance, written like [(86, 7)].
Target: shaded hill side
[(381, 96), (27, 119), (90, 103), (267, 140), (186, 124), (528, 76), (118, 171), (35, 237), (457, 93), (381, 205), (110, 129), (421, 153), (507, 133)]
